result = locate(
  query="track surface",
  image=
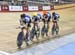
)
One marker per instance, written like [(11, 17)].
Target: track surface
[(9, 22), (64, 50), (61, 46)]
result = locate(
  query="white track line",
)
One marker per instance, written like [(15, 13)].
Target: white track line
[(4, 53)]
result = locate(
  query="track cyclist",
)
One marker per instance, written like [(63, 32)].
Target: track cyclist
[(45, 22), (55, 19), (49, 19), (36, 28), (26, 21)]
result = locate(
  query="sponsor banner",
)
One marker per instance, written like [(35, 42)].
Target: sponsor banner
[(15, 8), (40, 8), (4, 8), (52, 7), (33, 8), (0, 8), (46, 8), (25, 8)]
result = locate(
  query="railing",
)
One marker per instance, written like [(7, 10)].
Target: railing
[(26, 2)]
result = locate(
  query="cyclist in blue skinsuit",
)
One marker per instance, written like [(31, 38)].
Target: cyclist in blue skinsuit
[(28, 20), (55, 19), (45, 27), (25, 19), (39, 16), (36, 21), (49, 18), (27, 23)]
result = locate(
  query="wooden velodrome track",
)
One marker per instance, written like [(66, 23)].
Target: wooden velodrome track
[(9, 22)]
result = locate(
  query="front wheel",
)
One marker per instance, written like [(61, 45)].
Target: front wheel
[(20, 39)]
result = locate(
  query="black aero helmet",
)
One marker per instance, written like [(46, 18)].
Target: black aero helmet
[(53, 13), (23, 15)]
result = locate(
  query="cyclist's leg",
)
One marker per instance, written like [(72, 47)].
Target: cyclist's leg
[(32, 33), (46, 28), (38, 29), (57, 28), (25, 35), (48, 22), (42, 31), (28, 31), (27, 39), (57, 25), (53, 28)]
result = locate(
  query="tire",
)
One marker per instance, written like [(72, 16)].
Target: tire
[(32, 33), (42, 31), (31, 36), (53, 30), (20, 39)]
